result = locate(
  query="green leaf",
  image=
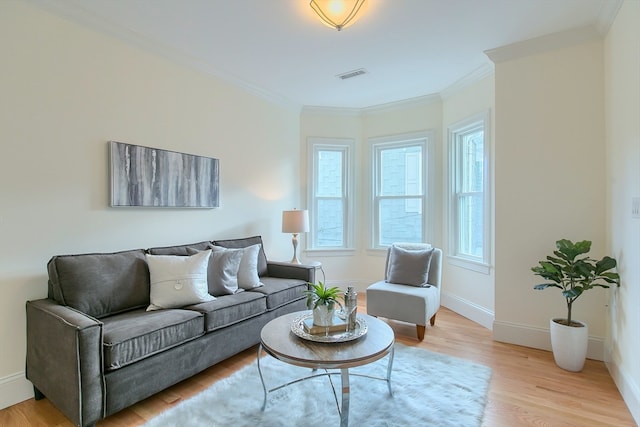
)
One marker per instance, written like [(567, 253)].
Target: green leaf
[(571, 250), (583, 268), (556, 260), (546, 285), (574, 272), (573, 293), (606, 263)]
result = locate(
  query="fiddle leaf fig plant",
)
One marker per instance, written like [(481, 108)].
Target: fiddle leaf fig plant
[(319, 294), (572, 271)]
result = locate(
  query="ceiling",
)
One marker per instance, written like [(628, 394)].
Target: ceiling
[(279, 49)]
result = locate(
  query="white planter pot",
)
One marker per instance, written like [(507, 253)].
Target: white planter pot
[(323, 315), (569, 344)]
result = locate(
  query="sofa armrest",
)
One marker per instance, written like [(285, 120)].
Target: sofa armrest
[(287, 270), (64, 359)]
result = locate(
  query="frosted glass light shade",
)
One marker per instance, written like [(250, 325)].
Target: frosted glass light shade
[(337, 14)]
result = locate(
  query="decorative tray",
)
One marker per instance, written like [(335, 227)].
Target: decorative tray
[(297, 327)]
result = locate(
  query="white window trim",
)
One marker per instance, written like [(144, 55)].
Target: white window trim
[(479, 265), (347, 146), (428, 162)]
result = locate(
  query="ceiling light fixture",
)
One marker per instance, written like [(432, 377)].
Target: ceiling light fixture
[(337, 14)]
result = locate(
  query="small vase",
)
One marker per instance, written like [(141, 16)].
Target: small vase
[(323, 315)]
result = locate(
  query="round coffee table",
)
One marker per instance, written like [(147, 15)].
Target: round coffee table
[(277, 340)]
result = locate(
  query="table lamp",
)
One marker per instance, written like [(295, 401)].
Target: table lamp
[(295, 222)]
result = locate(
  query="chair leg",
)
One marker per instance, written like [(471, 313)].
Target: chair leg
[(420, 329), (432, 321)]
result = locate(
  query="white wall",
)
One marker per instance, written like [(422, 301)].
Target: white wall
[(65, 91), (361, 267), (622, 83), (466, 291), (340, 268), (550, 183)]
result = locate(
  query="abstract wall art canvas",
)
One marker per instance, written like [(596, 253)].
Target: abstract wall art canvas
[(150, 177)]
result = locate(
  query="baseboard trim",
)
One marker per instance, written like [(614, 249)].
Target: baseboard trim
[(629, 390), (360, 285), (534, 337), (468, 309), (14, 389)]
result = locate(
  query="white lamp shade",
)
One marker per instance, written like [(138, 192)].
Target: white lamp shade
[(295, 221)]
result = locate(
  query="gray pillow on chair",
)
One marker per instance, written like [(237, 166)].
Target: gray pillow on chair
[(409, 267)]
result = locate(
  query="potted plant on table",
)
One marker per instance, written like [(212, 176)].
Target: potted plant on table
[(322, 300), (572, 271)]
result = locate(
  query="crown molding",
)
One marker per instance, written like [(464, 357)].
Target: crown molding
[(607, 15), (418, 101), (483, 71), (545, 43), (75, 13), (374, 109), (333, 111)]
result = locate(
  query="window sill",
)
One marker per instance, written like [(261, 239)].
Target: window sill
[(478, 267), (329, 252)]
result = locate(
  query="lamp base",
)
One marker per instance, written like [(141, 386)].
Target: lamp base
[(294, 241)]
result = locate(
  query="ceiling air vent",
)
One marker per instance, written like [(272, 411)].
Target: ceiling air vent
[(350, 74)]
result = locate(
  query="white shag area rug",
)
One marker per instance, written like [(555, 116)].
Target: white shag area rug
[(429, 389)]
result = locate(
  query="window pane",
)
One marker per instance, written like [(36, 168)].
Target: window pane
[(329, 174), (401, 171), (397, 224), (472, 159), (470, 225), (330, 223)]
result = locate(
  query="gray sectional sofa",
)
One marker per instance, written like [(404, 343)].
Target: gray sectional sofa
[(94, 348)]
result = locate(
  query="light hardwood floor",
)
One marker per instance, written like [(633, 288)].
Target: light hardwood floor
[(527, 389)]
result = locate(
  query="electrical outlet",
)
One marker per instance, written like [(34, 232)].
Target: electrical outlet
[(635, 207)]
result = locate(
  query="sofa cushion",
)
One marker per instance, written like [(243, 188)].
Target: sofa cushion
[(135, 335), (281, 291), (243, 243), (230, 309), (182, 250), (100, 284), (177, 281)]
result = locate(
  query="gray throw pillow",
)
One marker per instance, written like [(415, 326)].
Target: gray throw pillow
[(222, 274), (243, 243), (409, 267), (248, 272)]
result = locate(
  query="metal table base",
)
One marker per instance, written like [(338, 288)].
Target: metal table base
[(343, 409)]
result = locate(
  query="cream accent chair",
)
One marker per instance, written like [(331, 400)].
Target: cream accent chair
[(408, 301)]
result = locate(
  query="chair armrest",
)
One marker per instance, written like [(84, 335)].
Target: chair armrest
[(287, 270), (64, 359)]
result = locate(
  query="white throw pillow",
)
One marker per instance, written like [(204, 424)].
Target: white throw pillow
[(408, 266), (177, 281), (248, 272)]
